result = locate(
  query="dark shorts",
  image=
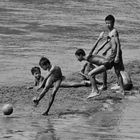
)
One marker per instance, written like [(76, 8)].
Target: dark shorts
[(108, 65), (117, 66)]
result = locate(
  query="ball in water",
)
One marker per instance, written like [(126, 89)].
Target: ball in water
[(7, 109)]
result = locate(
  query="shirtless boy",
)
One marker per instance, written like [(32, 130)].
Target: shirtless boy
[(116, 53), (52, 79), (102, 64)]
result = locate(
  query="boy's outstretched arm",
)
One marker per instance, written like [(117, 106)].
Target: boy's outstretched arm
[(55, 89), (102, 46), (96, 43), (108, 48), (118, 49)]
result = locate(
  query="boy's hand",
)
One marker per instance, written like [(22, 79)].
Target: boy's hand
[(116, 60), (31, 87), (104, 53), (38, 88), (35, 101), (108, 38), (101, 35)]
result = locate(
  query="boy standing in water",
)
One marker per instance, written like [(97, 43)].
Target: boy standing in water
[(115, 57), (52, 79)]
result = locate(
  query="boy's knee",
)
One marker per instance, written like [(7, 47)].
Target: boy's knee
[(90, 74)]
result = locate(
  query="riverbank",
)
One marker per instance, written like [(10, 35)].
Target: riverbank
[(68, 100)]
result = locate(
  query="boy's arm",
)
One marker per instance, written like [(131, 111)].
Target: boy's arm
[(102, 46), (83, 69), (108, 48), (96, 43), (45, 79), (117, 41)]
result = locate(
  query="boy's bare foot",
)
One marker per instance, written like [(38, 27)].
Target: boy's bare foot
[(35, 101), (115, 86), (103, 88), (93, 94), (45, 114), (86, 82)]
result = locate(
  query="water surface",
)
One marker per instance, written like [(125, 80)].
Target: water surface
[(30, 29)]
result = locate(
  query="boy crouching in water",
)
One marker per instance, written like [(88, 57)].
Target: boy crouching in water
[(52, 79), (101, 62), (38, 78)]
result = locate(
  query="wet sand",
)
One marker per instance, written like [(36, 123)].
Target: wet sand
[(70, 108)]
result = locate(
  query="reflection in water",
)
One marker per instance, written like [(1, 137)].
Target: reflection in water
[(46, 133), (130, 126), (120, 123), (102, 125)]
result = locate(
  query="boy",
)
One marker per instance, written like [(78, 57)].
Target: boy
[(101, 62), (52, 79), (115, 57), (38, 78)]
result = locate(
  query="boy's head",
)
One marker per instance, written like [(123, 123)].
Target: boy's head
[(110, 20), (80, 53), (36, 72), (44, 63)]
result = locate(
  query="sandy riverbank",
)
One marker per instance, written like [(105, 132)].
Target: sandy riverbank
[(68, 100)]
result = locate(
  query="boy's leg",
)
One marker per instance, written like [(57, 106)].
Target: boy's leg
[(92, 75), (104, 86), (55, 89), (48, 85), (118, 68), (73, 84), (120, 80)]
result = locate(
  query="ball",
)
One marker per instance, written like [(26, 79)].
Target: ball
[(7, 109)]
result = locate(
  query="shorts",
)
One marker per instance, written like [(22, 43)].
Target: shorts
[(117, 66), (108, 65)]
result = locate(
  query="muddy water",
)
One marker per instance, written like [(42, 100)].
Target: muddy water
[(115, 121)]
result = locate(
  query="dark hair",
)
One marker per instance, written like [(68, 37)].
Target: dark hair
[(110, 18), (80, 52), (35, 69), (44, 61)]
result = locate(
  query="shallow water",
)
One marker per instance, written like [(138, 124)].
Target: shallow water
[(116, 121), (30, 29)]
